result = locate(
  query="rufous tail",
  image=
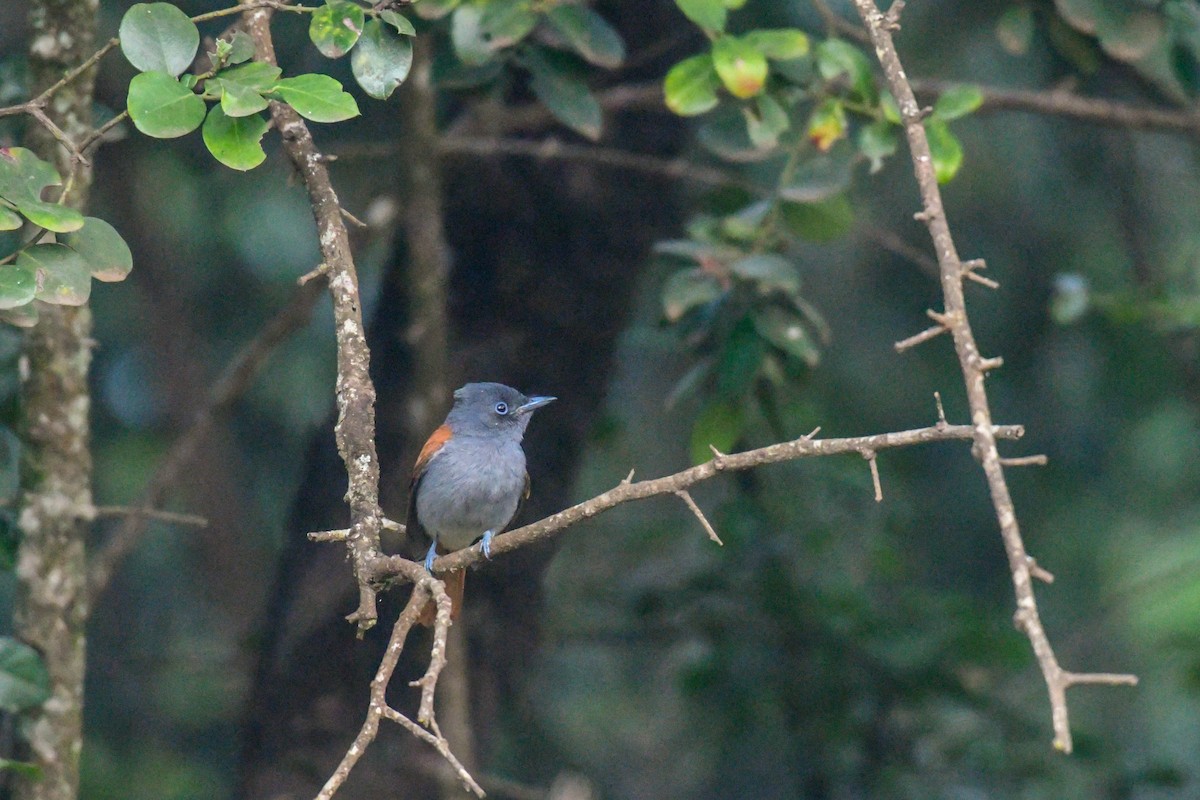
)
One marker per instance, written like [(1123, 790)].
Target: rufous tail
[(456, 582)]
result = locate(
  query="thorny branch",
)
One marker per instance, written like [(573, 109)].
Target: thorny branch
[(974, 368)]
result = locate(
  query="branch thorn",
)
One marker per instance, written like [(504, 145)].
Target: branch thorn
[(686, 496), (869, 455)]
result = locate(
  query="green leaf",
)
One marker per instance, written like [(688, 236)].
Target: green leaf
[(382, 60), (106, 253), (877, 141), (890, 109), (158, 37), (335, 27), (820, 176), (25, 316), (785, 329), (768, 271), (564, 94), (765, 126), (822, 221), (235, 141), (781, 44), (836, 57), (471, 44), (24, 176), (589, 34), (827, 125), (9, 219), (740, 361), (727, 136), (23, 179), (708, 14), (741, 67), (687, 289), (24, 682), (691, 86), (23, 768), (241, 88), (241, 48), (399, 22), (958, 101), (1014, 30), (316, 97), (51, 216), (162, 107), (62, 275), (945, 148), (719, 425), (256, 75), (503, 23), (18, 285)]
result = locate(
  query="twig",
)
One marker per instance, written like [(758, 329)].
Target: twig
[(869, 455), (152, 513), (973, 367), (686, 496), (1062, 103), (1025, 461), (237, 377), (919, 338)]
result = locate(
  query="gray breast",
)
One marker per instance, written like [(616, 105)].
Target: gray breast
[(471, 486)]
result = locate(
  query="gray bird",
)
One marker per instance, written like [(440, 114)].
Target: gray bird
[(470, 477)]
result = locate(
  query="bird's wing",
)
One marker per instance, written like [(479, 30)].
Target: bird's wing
[(433, 445)]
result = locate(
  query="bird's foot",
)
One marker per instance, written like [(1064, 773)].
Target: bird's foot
[(430, 556), (485, 546)]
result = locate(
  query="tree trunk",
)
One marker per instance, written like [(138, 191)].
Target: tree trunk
[(51, 603)]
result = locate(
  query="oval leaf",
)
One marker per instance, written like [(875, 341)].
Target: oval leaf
[(335, 27), (18, 284), (23, 175), (958, 101), (785, 330), (235, 141), (708, 14), (106, 253), (317, 97), (399, 22), (435, 9), (62, 274), (687, 289), (836, 57), (24, 682), (503, 24), (769, 271), (381, 61), (9, 219), (162, 107), (782, 44), (945, 148), (471, 43), (158, 37), (877, 141), (827, 124), (565, 95), (741, 67), (691, 86), (51, 216), (589, 34)]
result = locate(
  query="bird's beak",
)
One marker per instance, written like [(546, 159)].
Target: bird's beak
[(534, 403)]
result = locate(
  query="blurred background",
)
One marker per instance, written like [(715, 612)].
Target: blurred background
[(833, 647)]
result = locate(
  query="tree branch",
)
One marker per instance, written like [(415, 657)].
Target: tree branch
[(974, 368), (393, 567), (355, 428)]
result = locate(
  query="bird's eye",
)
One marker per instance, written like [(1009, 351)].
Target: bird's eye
[(501, 408)]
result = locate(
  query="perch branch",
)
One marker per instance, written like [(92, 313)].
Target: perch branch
[(974, 367), (392, 567)]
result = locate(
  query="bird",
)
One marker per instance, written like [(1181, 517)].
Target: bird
[(470, 477)]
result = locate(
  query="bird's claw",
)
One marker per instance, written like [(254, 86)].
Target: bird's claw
[(430, 556), (485, 546)]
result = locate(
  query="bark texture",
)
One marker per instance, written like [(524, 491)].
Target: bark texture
[(51, 599)]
